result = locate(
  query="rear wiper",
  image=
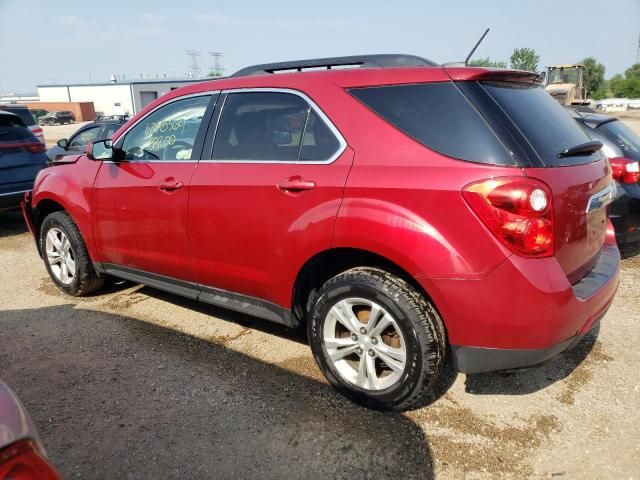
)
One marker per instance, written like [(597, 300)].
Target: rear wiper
[(582, 149)]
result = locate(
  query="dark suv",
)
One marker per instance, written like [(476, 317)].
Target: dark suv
[(403, 211), (60, 118)]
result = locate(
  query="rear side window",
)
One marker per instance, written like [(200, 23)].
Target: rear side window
[(272, 126), (543, 121), (440, 117), (623, 137), (24, 113)]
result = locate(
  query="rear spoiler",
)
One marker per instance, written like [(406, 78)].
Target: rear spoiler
[(492, 74)]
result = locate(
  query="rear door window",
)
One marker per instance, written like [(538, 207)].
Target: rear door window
[(272, 127), (440, 117), (544, 123)]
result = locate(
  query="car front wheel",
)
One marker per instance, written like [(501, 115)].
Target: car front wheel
[(66, 257), (377, 339)]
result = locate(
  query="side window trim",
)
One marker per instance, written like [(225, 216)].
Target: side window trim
[(200, 136), (211, 132)]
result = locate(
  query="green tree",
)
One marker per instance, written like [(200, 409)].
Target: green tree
[(593, 76), (525, 59), (616, 85), (487, 62), (633, 71)]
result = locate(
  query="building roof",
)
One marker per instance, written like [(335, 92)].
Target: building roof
[(140, 81)]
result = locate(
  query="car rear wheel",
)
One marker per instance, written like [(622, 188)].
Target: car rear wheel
[(66, 257), (377, 339)]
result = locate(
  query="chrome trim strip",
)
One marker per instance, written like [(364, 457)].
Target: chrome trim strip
[(13, 193), (316, 109), (601, 199)]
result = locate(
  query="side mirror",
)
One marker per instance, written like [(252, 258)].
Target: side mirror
[(63, 142), (102, 150)]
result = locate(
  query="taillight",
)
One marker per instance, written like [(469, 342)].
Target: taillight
[(35, 147), (625, 170), (517, 210), (23, 461)]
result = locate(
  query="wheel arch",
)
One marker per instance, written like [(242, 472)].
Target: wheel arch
[(328, 263)]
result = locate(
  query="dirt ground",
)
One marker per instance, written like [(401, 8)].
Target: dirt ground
[(133, 383)]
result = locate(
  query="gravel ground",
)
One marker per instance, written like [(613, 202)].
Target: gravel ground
[(134, 383)]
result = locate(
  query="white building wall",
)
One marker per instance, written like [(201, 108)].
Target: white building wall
[(109, 99), (53, 94)]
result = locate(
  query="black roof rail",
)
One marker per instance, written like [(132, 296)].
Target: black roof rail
[(361, 61)]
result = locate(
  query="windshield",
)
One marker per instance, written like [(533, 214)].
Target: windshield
[(623, 137), (563, 75)]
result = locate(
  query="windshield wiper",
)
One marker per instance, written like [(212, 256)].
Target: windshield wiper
[(582, 149)]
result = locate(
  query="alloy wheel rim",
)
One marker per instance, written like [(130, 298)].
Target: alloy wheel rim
[(60, 256), (364, 344)]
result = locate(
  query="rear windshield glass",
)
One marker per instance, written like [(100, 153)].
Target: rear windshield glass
[(542, 120), (623, 137), (440, 117), (24, 114), (11, 128)]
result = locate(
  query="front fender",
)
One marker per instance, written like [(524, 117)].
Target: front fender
[(70, 186)]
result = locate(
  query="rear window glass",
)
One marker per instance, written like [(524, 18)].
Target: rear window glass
[(542, 120), (12, 128), (623, 137), (440, 117), (24, 114)]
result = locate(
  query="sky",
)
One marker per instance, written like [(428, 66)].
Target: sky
[(43, 42)]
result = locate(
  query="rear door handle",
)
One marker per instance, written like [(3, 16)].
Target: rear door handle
[(296, 184), (170, 186)]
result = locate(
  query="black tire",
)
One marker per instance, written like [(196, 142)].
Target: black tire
[(85, 280), (418, 321)]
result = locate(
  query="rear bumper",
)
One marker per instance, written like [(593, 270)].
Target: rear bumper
[(479, 359), (524, 312)]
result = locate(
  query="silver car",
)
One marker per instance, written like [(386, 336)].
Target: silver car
[(21, 453)]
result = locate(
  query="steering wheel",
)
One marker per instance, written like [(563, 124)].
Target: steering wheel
[(169, 152), (138, 153)]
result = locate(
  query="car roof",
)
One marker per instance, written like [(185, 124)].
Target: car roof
[(12, 105)]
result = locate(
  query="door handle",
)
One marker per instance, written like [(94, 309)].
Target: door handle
[(295, 185), (170, 186)]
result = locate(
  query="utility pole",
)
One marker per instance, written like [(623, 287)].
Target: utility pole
[(216, 69), (638, 52), (195, 68)]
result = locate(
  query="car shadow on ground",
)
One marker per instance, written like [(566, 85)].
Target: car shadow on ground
[(530, 380), (630, 250), (298, 335), (114, 397), (12, 223)]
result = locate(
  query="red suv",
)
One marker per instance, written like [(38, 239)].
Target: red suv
[(403, 211)]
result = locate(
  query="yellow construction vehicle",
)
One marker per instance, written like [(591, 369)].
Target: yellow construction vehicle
[(565, 83)]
